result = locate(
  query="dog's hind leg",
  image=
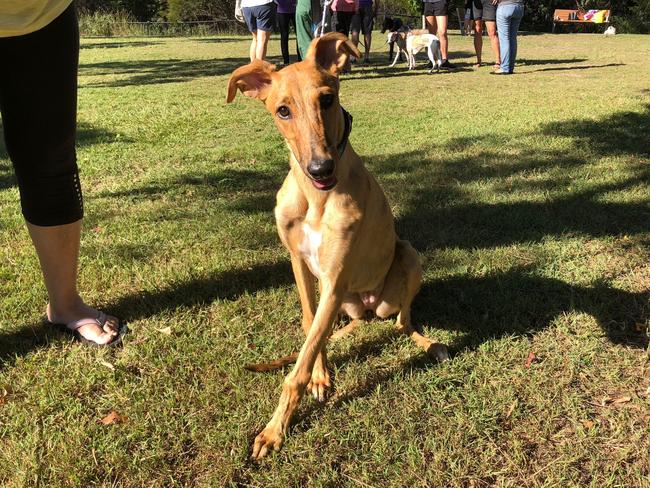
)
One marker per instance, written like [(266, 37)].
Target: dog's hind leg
[(402, 284), (431, 58)]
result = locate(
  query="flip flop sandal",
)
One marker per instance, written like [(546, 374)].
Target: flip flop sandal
[(100, 321)]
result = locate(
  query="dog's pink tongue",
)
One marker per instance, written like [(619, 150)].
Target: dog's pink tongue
[(322, 184)]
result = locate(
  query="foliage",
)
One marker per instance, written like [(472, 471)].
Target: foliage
[(182, 10), (142, 10)]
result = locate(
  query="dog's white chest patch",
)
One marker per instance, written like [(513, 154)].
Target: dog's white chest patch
[(309, 246)]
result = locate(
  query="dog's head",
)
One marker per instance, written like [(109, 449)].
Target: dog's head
[(387, 25), (391, 24), (303, 99)]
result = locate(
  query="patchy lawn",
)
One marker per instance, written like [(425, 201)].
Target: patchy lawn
[(528, 197)]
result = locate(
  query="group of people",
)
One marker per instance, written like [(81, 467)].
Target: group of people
[(350, 17), (501, 18), (354, 17)]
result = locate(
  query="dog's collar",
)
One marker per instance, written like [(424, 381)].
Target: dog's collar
[(346, 133)]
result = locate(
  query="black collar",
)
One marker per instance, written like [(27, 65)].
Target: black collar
[(346, 133)]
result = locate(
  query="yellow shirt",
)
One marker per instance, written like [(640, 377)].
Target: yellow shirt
[(19, 17)]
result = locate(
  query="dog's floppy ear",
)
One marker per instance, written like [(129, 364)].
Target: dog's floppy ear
[(254, 80), (332, 51)]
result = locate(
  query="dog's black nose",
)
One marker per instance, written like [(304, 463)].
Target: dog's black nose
[(321, 168)]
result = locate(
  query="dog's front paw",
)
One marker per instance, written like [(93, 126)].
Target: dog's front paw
[(270, 439), (320, 383)]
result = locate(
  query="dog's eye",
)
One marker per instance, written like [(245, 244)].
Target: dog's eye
[(326, 100), (284, 112)]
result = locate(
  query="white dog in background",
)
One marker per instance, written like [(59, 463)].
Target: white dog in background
[(412, 42), (610, 31)]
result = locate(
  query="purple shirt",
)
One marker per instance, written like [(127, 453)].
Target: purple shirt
[(286, 6), (365, 3)]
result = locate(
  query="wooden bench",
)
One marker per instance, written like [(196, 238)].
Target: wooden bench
[(574, 17)]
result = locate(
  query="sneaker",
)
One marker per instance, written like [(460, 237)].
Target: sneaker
[(447, 65)]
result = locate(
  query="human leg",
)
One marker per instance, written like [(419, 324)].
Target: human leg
[(517, 15), (491, 27), (284, 21), (441, 21), (39, 123), (478, 40), (265, 20), (504, 15)]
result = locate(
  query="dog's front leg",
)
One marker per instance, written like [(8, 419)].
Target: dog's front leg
[(320, 380), (272, 437), (396, 57)]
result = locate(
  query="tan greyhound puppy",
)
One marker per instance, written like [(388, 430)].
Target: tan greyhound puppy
[(333, 218)]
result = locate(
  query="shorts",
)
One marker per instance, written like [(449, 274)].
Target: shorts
[(436, 9), (489, 11), (474, 10), (260, 17), (362, 20)]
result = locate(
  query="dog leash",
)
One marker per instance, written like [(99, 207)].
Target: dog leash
[(346, 133)]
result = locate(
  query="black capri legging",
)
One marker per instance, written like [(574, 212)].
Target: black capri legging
[(38, 103)]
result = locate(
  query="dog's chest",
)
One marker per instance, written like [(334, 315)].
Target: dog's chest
[(309, 247)]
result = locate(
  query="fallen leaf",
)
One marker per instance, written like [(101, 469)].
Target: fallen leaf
[(623, 399), (113, 418), (108, 365), (588, 424), (530, 359), (5, 393), (166, 331), (511, 409)]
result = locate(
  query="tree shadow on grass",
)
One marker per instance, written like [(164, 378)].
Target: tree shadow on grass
[(117, 44), (87, 135), (244, 190), (21, 341), (228, 285), (538, 62), (572, 68), (157, 71)]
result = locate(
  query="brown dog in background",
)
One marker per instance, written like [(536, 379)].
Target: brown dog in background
[(332, 216)]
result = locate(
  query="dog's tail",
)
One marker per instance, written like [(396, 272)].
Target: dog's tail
[(272, 365), (291, 358)]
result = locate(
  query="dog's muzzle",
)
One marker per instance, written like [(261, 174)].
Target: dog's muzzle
[(321, 172)]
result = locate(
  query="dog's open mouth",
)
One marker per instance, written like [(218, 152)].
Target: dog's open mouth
[(325, 184)]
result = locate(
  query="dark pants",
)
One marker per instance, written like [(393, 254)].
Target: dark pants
[(284, 24), (38, 103), (343, 22)]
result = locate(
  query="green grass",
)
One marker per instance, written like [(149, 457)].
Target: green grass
[(527, 196)]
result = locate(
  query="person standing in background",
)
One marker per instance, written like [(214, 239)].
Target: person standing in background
[(345, 10), (363, 21), (286, 15), (307, 18), (490, 22), (436, 17), (509, 15), (260, 19), (475, 8)]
